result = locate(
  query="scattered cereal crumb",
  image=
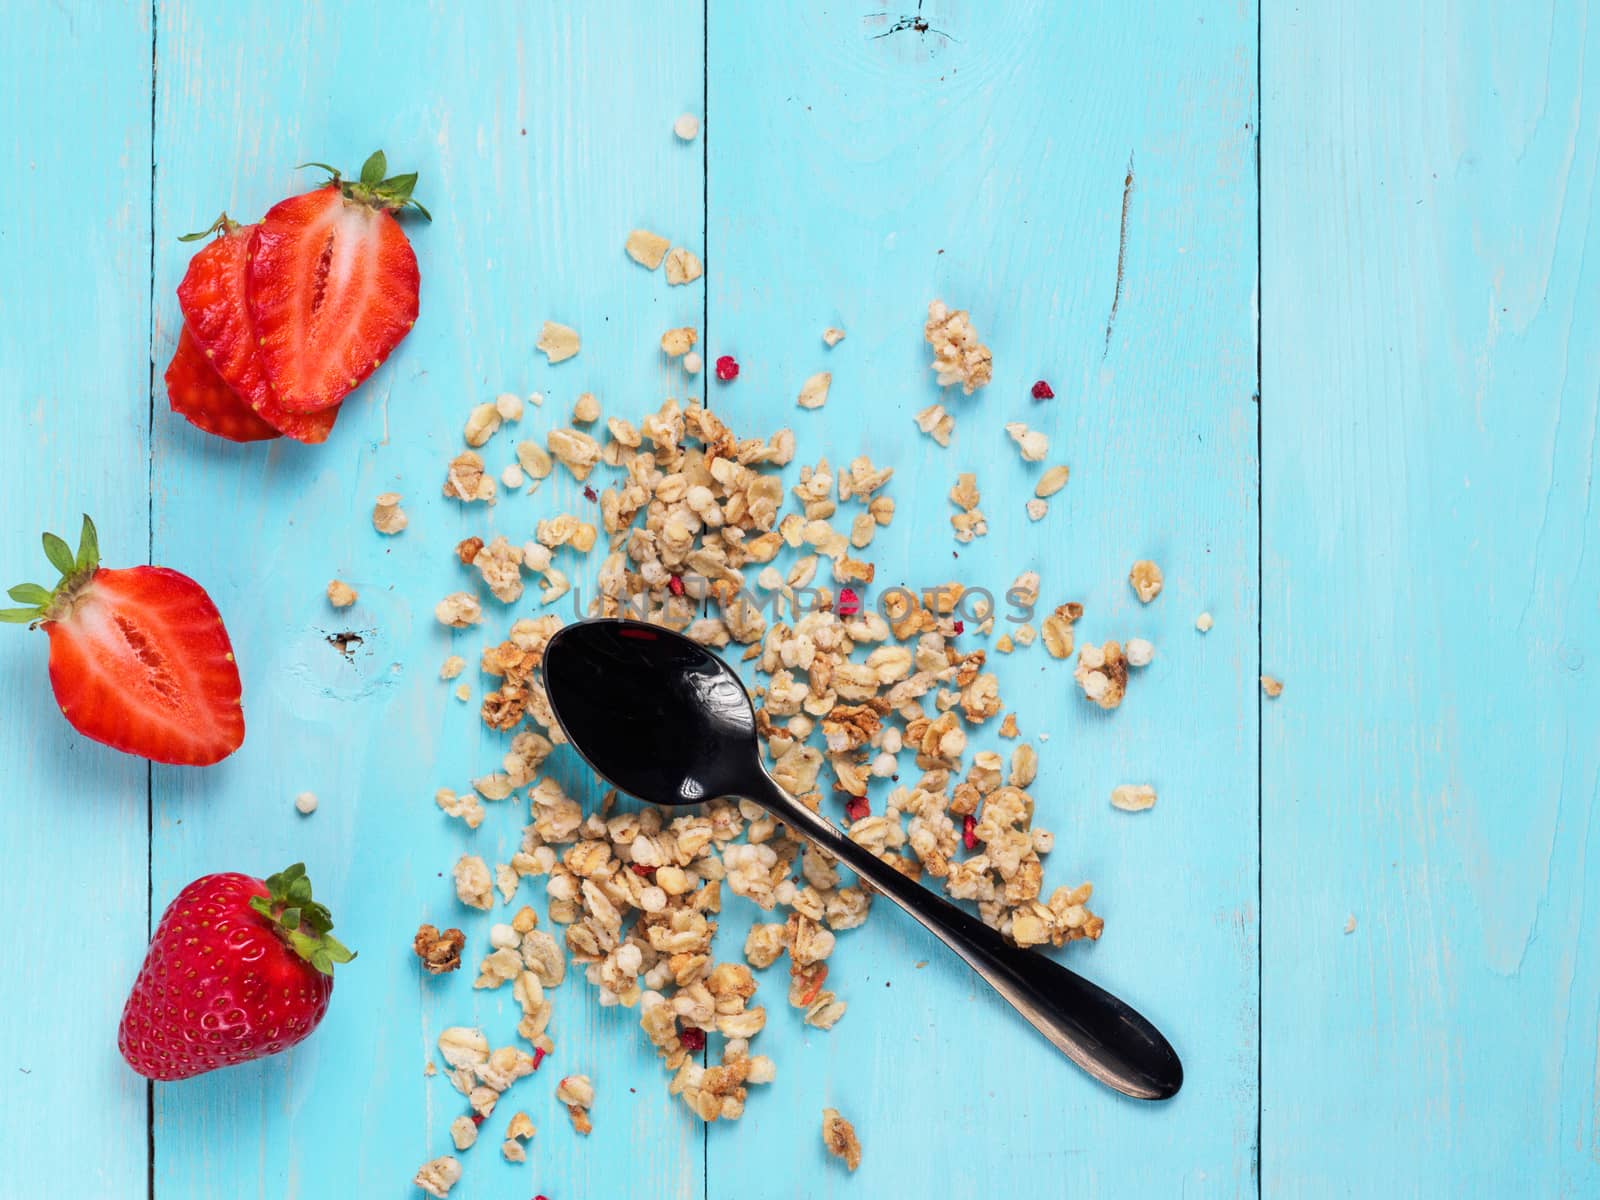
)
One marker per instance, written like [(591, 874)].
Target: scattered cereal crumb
[(840, 1138), (559, 342), (533, 460), (814, 391), (1133, 797), (387, 516), (341, 594), (440, 952), (693, 364), (958, 356), (1350, 923), (675, 343), (832, 336), (463, 692), (575, 450), (1139, 652), (586, 409), (1008, 727), (536, 399), (1033, 444), (465, 480), (509, 406), (577, 1093), (936, 423), (512, 476), (682, 267), (1145, 578), (686, 127), (474, 886), (1057, 629), (458, 610), (1051, 482), (1037, 509), (1272, 687), (646, 248), (1102, 673), (463, 1132), (519, 1130), (305, 803), (1203, 622), (438, 1176), (429, 1070), (1003, 644), (464, 808), (969, 523), (482, 422)]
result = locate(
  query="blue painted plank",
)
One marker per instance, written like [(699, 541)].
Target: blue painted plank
[(542, 134), (74, 382), (1431, 375), (856, 173)]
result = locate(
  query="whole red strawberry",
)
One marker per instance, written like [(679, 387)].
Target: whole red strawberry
[(139, 658), (239, 968), (332, 285)]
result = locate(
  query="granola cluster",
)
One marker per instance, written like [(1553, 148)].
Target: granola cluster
[(958, 355)]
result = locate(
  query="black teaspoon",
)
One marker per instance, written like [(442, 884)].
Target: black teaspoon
[(667, 721)]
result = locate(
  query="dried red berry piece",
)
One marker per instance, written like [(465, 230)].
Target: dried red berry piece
[(856, 808), (694, 1040), (960, 626), (641, 870), (477, 1118), (1041, 391), (589, 493), (849, 603), (969, 839), (675, 586), (538, 1056), (727, 368)]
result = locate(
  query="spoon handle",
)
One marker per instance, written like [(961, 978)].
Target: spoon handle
[(1093, 1028)]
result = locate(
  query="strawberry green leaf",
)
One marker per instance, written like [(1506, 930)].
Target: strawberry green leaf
[(289, 918), (18, 616), (372, 170), (59, 554), (29, 593), (88, 540)]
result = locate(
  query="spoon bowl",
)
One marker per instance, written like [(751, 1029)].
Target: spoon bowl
[(665, 720)]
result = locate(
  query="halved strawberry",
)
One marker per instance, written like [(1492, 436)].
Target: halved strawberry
[(212, 296), (333, 285), (139, 658), (198, 394)]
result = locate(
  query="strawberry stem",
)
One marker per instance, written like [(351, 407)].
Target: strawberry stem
[(303, 923), (41, 604), (373, 188), (223, 224)]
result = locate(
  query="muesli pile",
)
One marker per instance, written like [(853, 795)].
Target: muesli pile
[(692, 518)]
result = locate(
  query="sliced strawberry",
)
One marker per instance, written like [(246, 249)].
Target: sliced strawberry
[(333, 286), (139, 658), (212, 296), (198, 394)]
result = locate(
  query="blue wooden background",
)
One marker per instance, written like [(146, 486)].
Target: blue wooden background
[(1350, 402)]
